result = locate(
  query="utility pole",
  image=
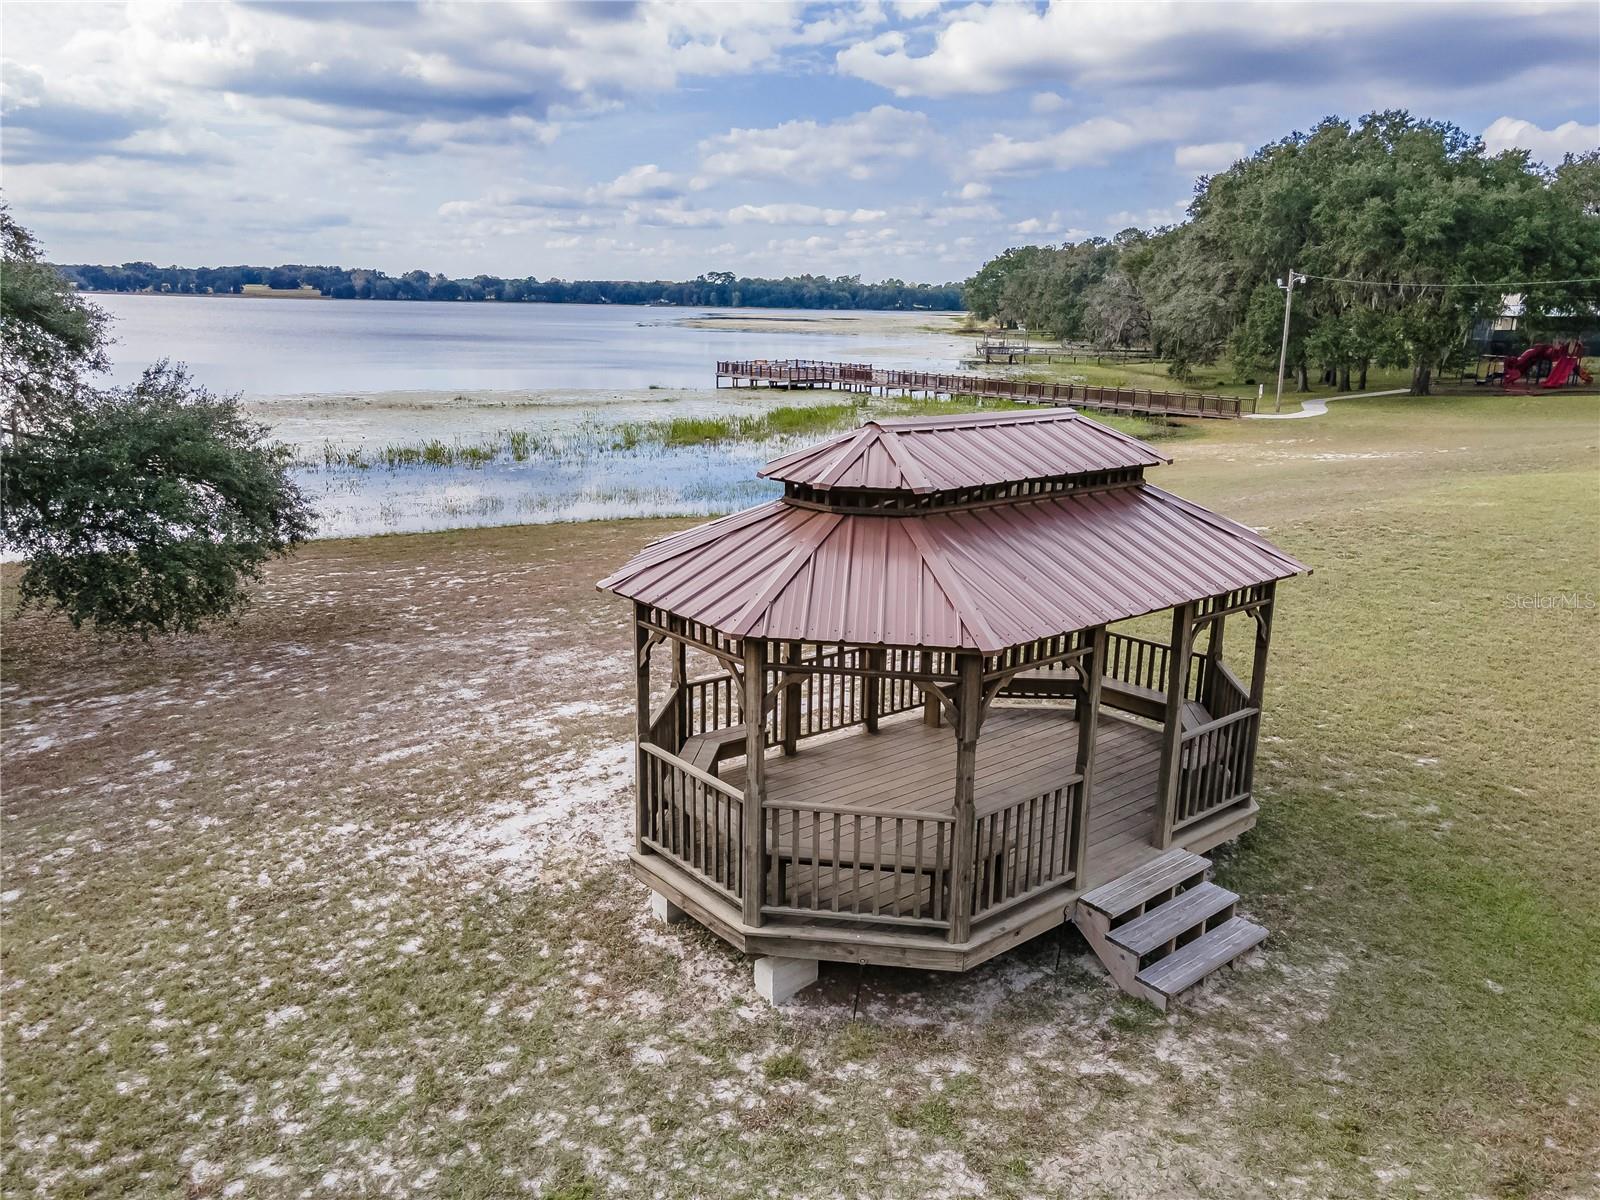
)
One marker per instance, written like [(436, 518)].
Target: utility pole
[(1283, 348)]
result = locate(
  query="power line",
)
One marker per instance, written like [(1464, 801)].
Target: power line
[(1400, 283)]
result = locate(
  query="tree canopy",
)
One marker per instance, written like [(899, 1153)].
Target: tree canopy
[(1408, 230), (142, 509)]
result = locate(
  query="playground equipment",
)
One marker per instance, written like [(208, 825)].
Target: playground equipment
[(1566, 359)]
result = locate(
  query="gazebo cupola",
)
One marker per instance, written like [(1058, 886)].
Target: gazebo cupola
[(916, 740)]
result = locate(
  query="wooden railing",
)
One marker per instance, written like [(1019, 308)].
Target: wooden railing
[(1137, 661), (832, 700), (692, 818), (1134, 661), (863, 375), (829, 700), (1026, 847), (1214, 767), (888, 866), (1225, 695), (665, 730), (711, 702)]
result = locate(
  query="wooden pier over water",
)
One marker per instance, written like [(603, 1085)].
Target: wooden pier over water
[(863, 377)]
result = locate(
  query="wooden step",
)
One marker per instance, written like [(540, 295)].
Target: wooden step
[(1176, 917), (1188, 965), (1164, 873)]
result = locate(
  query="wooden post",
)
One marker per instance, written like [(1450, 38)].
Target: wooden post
[(1258, 669), (680, 703), (755, 779), (641, 660), (932, 714), (872, 695), (1091, 669), (969, 712), (1213, 662), (791, 704), (1258, 683), (1178, 653)]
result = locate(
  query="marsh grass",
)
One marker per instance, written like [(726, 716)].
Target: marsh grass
[(595, 439)]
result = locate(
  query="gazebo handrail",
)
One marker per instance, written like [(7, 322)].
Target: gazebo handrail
[(693, 771), (1216, 723), (851, 810)]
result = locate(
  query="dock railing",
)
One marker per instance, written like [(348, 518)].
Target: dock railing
[(865, 377)]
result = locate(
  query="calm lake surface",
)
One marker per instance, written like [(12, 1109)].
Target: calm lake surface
[(348, 383), (268, 347)]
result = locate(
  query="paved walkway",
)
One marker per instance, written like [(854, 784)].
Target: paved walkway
[(1315, 408)]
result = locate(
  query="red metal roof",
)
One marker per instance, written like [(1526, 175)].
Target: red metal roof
[(946, 453), (975, 578)]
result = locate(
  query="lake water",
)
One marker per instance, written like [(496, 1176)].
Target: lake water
[(333, 378), (267, 347)]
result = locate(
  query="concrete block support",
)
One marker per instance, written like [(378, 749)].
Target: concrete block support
[(778, 979), (665, 910)]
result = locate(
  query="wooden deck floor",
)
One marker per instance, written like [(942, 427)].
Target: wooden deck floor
[(1022, 752)]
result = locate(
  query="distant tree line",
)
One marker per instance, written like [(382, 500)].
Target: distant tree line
[(1383, 211), (713, 289)]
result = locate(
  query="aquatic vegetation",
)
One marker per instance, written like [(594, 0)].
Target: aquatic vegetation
[(689, 464)]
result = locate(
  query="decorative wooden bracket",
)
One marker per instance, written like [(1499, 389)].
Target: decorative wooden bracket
[(990, 692), (947, 705), (650, 643)]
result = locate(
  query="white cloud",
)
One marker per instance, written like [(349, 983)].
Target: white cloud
[(1054, 225), (859, 146), (800, 214), (1088, 143), (1047, 102), (995, 48), (1548, 146), (974, 191), (1208, 158), (408, 77), (959, 212), (644, 182), (1149, 218)]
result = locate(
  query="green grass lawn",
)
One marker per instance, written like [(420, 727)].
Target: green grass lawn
[(332, 902)]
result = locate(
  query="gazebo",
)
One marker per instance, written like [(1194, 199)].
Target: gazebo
[(912, 712)]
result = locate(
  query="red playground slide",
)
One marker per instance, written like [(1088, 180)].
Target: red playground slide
[(1566, 358)]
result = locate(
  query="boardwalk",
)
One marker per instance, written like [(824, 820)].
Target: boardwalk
[(1005, 353), (863, 377)]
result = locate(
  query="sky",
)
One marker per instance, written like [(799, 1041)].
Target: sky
[(658, 141)]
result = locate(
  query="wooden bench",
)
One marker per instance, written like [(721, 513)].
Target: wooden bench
[(1053, 684), (1044, 683), (705, 750), (1147, 702)]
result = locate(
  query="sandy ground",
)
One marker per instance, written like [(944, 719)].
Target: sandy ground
[(356, 875)]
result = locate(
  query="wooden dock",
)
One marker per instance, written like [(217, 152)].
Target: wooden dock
[(864, 377), (1000, 352)]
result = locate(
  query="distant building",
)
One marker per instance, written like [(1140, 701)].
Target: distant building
[(1506, 333)]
